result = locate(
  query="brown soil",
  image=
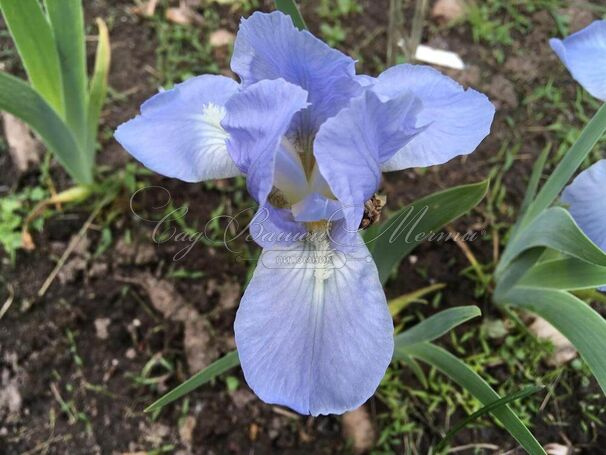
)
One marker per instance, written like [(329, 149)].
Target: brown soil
[(101, 386)]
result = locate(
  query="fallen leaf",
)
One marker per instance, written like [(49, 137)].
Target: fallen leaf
[(23, 147), (150, 8), (558, 449), (448, 10), (564, 351), (184, 15), (358, 428)]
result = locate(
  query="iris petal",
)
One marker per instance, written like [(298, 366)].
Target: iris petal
[(257, 120), (272, 227), (351, 147), (178, 133), (455, 120), (269, 46), (315, 338), (584, 54), (586, 197)]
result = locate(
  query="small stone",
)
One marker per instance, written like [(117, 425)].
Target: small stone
[(131, 353), (101, 326)]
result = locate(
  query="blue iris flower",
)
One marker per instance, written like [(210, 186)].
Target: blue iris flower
[(586, 200), (313, 329), (584, 54)]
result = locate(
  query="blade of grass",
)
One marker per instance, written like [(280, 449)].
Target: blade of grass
[(290, 7), (216, 368), (36, 46), (590, 135), (399, 303), (485, 410), (24, 102), (556, 229), (98, 88), (436, 325), (463, 375), (577, 321), (67, 22), (564, 274), (409, 226)]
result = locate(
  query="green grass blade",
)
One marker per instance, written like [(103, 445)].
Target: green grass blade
[(36, 45), (24, 102), (576, 320), (590, 135), (565, 274), (535, 179), (555, 229), (290, 7), (463, 375), (400, 303), (98, 87), (216, 368), (409, 226), (67, 22), (485, 410), (436, 325)]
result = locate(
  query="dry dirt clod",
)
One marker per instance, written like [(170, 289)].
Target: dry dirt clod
[(503, 92), (358, 428), (579, 16), (23, 147), (200, 347), (564, 350), (198, 344), (163, 297)]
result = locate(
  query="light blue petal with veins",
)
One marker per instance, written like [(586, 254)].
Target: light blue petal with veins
[(313, 337), (351, 147), (257, 119), (455, 120), (584, 54), (586, 197), (269, 46), (178, 133)]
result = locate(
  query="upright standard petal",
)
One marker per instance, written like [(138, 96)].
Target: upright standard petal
[(584, 54), (269, 46), (179, 134), (455, 120), (257, 119), (351, 147), (313, 329), (586, 197)]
